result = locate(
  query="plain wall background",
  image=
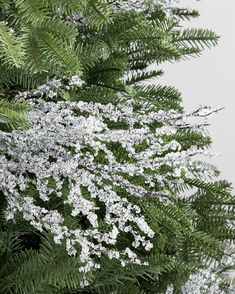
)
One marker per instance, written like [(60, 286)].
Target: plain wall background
[(210, 79)]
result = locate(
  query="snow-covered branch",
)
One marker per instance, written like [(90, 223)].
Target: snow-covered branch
[(75, 147)]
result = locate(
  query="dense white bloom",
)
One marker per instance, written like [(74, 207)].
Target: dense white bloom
[(203, 282), (67, 154), (211, 280)]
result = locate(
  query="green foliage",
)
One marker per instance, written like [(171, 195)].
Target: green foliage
[(39, 38), (140, 76), (114, 277), (41, 34), (38, 42), (188, 138), (112, 52), (185, 13), (200, 38), (10, 47), (162, 97), (120, 53), (214, 205), (32, 271), (13, 115)]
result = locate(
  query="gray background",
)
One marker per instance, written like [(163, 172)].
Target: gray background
[(210, 79)]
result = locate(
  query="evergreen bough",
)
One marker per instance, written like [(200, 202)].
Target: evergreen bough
[(110, 48)]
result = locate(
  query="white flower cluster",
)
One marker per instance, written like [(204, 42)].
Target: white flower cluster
[(204, 282), (213, 279), (51, 88), (69, 145)]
